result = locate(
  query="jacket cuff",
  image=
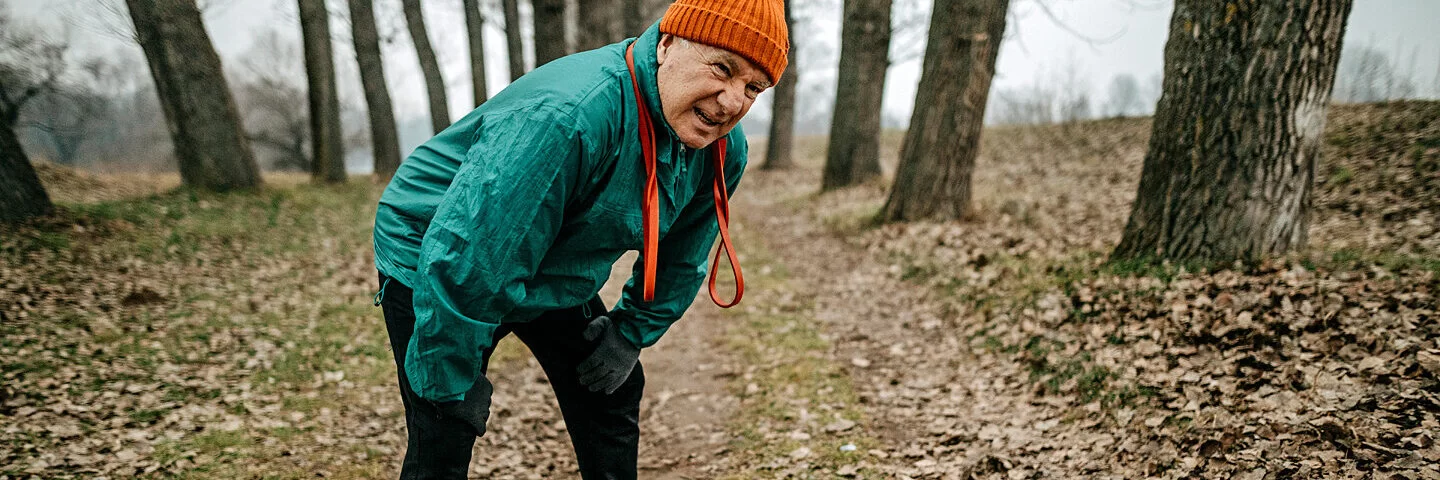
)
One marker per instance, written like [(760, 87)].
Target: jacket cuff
[(630, 328)]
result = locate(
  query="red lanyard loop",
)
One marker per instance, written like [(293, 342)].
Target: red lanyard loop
[(650, 209)]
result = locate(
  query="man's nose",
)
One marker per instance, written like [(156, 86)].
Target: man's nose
[(732, 100)]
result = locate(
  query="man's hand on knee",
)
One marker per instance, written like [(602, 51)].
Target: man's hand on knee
[(614, 357)]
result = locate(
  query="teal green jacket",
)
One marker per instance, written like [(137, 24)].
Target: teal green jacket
[(522, 207)]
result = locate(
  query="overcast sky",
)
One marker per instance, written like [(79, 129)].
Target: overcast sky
[(1099, 39)]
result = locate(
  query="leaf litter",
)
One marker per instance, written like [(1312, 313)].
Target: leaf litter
[(192, 334), (1006, 347)]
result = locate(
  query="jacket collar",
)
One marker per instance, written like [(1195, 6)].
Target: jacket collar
[(646, 68)]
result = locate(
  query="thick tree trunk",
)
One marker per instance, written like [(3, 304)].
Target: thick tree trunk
[(326, 140), (853, 156), (199, 110), (384, 138), (938, 155), (635, 18), (599, 24), (1237, 132), (513, 40), (550, 28), (21, 192), (429, 66), (782, 122), (475, 26)]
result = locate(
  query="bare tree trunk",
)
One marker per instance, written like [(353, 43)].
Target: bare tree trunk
[(550, 28), (384, 138), (199, 110), (434, 82), (20, 189), (512, 38), (635, 18), (475, 25), (326, 140), (938, 156), (1238, 130), (640, 14), (599, 24), (782, 122), (854, 152)]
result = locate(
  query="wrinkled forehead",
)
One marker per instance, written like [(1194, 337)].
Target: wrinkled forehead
[(737, 61)]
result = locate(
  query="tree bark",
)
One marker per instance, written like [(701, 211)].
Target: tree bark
[(853, 156), (778, 152), (938, 154), (199, 109), (635, 18), (384, 138), (326, 140), (20, 189), (599, 24), (512, 38), (640, 14), (475, 26), (1237, 132), (429, 66), (550, 28)]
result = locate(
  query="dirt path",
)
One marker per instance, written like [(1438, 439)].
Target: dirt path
[(938, 406), (683, 415), (937, 410), (682, 427)]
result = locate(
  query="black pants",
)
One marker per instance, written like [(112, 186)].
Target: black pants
[(604, 429)]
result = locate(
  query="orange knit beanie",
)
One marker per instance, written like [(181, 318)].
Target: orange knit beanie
[(754, 29)]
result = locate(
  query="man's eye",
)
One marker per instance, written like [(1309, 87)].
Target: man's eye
[(724, 70)]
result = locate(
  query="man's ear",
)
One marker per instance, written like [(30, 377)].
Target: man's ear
[(663, 48)]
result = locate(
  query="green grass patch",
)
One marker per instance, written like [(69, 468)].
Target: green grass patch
[(859, 219), (1164, 270), (1078, 375), (1347, 259), (214, 442), (284, 433), (177, 225), (146, 416), (303, 404), (1341, 175), (334, 344)]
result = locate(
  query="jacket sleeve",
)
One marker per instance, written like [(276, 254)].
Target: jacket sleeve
[(492, 228), (683, 262)]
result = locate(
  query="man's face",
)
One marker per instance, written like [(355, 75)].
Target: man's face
[(704, 90)]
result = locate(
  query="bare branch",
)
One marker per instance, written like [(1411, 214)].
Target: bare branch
[(213, 6), (1013, 16), (909, 29), (107, 18), (1091, 41), (29, 64), (6, 103)]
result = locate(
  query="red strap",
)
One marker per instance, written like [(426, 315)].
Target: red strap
[(650, 208), (722, 217)]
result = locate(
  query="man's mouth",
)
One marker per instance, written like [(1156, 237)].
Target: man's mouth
[(706, 118)]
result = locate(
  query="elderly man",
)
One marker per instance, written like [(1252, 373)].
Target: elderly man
[(509, 221)]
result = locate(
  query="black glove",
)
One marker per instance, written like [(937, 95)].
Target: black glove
[(474, 409), (614, 357)]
